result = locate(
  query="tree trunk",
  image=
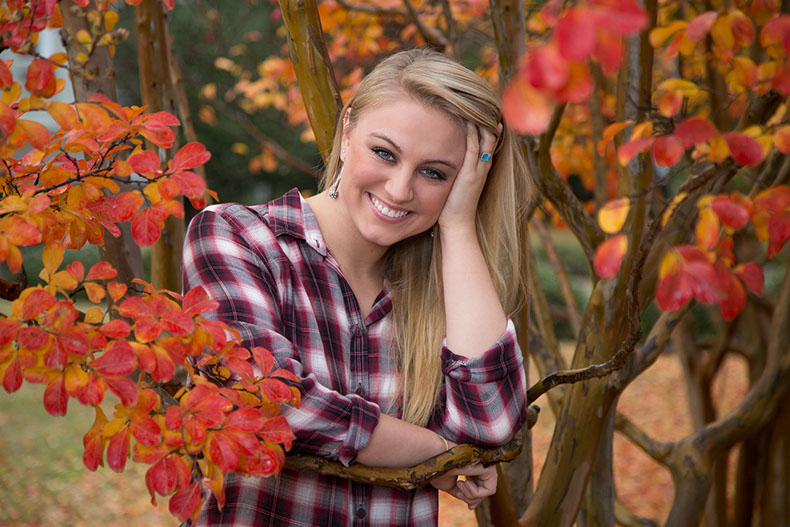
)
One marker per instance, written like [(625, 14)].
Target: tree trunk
[(158, 94), (98, 76)]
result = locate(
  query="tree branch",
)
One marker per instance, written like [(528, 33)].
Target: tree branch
[(10, 290), (431, 35), (656, 449), (372, 8), (411, 478)]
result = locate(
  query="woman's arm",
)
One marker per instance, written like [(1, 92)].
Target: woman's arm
[(475, 318)]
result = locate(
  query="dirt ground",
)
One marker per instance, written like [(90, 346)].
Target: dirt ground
[(43, 481)]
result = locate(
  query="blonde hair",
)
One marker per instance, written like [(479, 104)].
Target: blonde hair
[(415, 264)]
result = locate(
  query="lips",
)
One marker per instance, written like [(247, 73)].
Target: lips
[(386, 211)]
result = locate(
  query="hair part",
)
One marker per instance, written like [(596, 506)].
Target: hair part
[(415, 264)]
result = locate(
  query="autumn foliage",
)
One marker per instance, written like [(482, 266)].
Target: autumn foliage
[(61, 190)]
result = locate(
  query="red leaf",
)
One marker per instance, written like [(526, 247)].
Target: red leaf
[(733, 215), (135, 307), (735, 296), (189, 184), (124, 388), (147, 329), (56, 401), (224, 451), (116, 290), (186, 502), (93, 442), (277, 430), (126, 205), (673, 291), (118, 450), (36, 303), (115, 329), (774, 199), (146, 162), (701, 25), (575, 35), (752, 275), (178, 323), (12, 378), (264, 359), (745, 150), (117, 359), (275, 391), (667, 150), (101, 271), (705, 283), (167, 207), (197, 301), (694, 131), (32, 338), (6, 77), (163, 476), (246, 420), (778, 232), (9, 327), (146, 431), (145, 228), (624, 17), (631, 149), (190, 155), (609, 255), (40, 78), (608, 51)]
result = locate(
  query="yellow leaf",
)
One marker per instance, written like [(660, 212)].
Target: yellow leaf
[(722, 33), (688, 88), (11, 94), (95, 292), (612, 215), (660, 36), (672, 206), (719, 149), (94, 315), (59, 58), (642, 130), (53, 256), (63, 280), (114, 426), (84, 37), (670, 263)]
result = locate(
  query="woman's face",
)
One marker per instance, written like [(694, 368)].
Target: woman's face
[(399, 164)]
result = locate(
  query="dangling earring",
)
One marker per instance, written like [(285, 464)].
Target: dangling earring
[(334, 192)]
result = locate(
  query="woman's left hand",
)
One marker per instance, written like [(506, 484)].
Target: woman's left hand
[(461, 205), (480, 483)]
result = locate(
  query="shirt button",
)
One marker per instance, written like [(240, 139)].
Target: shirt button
[(361, 513), (358, 330), (360, 391)]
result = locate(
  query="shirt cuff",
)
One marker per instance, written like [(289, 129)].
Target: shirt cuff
[(363, 419), (496, 363)]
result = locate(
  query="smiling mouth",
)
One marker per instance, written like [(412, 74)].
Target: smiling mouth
[(386, 211)]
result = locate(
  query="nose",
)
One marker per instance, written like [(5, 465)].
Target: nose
[(399, 185)]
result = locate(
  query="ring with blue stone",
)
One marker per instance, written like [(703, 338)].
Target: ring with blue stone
[(485, 156)]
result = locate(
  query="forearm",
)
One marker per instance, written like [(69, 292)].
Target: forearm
[(475, 318), (395, 443)]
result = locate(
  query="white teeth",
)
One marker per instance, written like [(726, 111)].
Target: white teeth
[(385, 210)]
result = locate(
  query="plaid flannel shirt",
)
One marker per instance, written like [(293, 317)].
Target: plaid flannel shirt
[(279, 286)]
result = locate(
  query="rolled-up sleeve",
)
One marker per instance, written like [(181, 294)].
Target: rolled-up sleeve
[(218, 256), (485, 397)]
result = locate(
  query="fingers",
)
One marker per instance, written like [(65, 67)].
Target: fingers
[(480, 483)]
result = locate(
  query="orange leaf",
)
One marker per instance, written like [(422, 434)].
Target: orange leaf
[(63, 114), (93, 442), (126, 205), (95, 292), (708, 227), (527, 111), (35, 133), (609, 133), (609, 255), (670, 103), (53, 256), (101, 271), (782, 139), (116, 290), (95, 118)]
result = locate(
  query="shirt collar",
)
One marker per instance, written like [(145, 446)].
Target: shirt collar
[(290, 214)]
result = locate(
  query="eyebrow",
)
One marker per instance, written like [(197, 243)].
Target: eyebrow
[(399, 151)]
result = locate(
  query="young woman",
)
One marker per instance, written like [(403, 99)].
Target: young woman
[(385, 294)]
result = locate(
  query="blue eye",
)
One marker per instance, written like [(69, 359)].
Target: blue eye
[(383, 153)]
